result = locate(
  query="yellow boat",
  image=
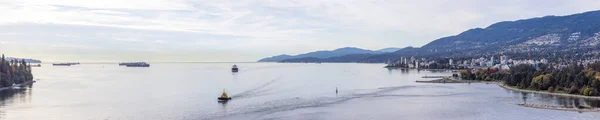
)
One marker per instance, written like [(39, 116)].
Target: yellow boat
[(224, 96)]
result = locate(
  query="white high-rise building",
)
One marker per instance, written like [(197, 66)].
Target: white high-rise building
[(503, 59), (482, 63), (400, 60), (417, 64), (544, 60), (451, 62)]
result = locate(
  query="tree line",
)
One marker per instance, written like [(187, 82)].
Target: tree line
[(14, 72), (573, 79)]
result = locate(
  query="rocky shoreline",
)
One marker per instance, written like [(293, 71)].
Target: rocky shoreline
[(549, 107), (448, 80), (578, 109), (549, 93), (17, 85)]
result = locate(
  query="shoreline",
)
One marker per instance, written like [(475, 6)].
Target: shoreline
[(549, 93), (537, 106), (436, 76), (446, 80), (419, 68), (500, 84), (549, 107), (17, 85)]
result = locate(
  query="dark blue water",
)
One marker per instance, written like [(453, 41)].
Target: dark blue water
[(188, 91)]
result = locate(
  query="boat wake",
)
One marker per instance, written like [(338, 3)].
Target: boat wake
[(257, 91), (266, 108)]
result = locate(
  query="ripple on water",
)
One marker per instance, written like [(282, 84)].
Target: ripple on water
[(274, 106)]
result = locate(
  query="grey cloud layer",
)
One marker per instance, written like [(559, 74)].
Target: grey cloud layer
[(244, 30)]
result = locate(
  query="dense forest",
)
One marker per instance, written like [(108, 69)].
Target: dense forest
[(14, 72), (573, 79)]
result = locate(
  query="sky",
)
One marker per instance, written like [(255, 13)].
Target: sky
[(243, 30)]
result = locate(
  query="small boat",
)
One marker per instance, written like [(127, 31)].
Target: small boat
[(38, 65), (234, 68), (224, 97)]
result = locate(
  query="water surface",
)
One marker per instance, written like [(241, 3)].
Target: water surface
[(188, 91)]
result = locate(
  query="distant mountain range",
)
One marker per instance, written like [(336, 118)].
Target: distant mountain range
[(550, 33), (387, 50), (568, 34), (317, 55)]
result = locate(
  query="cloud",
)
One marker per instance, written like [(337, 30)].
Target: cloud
[(65, 35), (127, 39), (259, 27), (72, 46), (10, 33), (160, 41), (109, 12), (114, 4)]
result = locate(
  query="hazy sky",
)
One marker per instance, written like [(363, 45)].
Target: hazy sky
[(243, 30)]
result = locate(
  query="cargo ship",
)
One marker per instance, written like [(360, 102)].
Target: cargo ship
[(62, 64), (130, 63), (139, 64)]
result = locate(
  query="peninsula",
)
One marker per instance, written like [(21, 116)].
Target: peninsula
[(14, 73)]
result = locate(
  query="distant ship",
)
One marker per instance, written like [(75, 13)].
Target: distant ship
[(38, 65), (130, 63), (61, 64), (137, 64), (64, 64), (234, 68)]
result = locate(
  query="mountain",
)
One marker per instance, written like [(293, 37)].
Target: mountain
[(387, 50), (338, 59), (336, 52), (545, 30), (276, 58), (321, 54), (549, 33), (548, 36)]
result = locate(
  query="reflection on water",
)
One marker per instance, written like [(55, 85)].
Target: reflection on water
[(10, 96), (527, 98), (524, 97), (13, 96)]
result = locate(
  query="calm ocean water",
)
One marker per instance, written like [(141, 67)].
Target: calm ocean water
[(188, 91)]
